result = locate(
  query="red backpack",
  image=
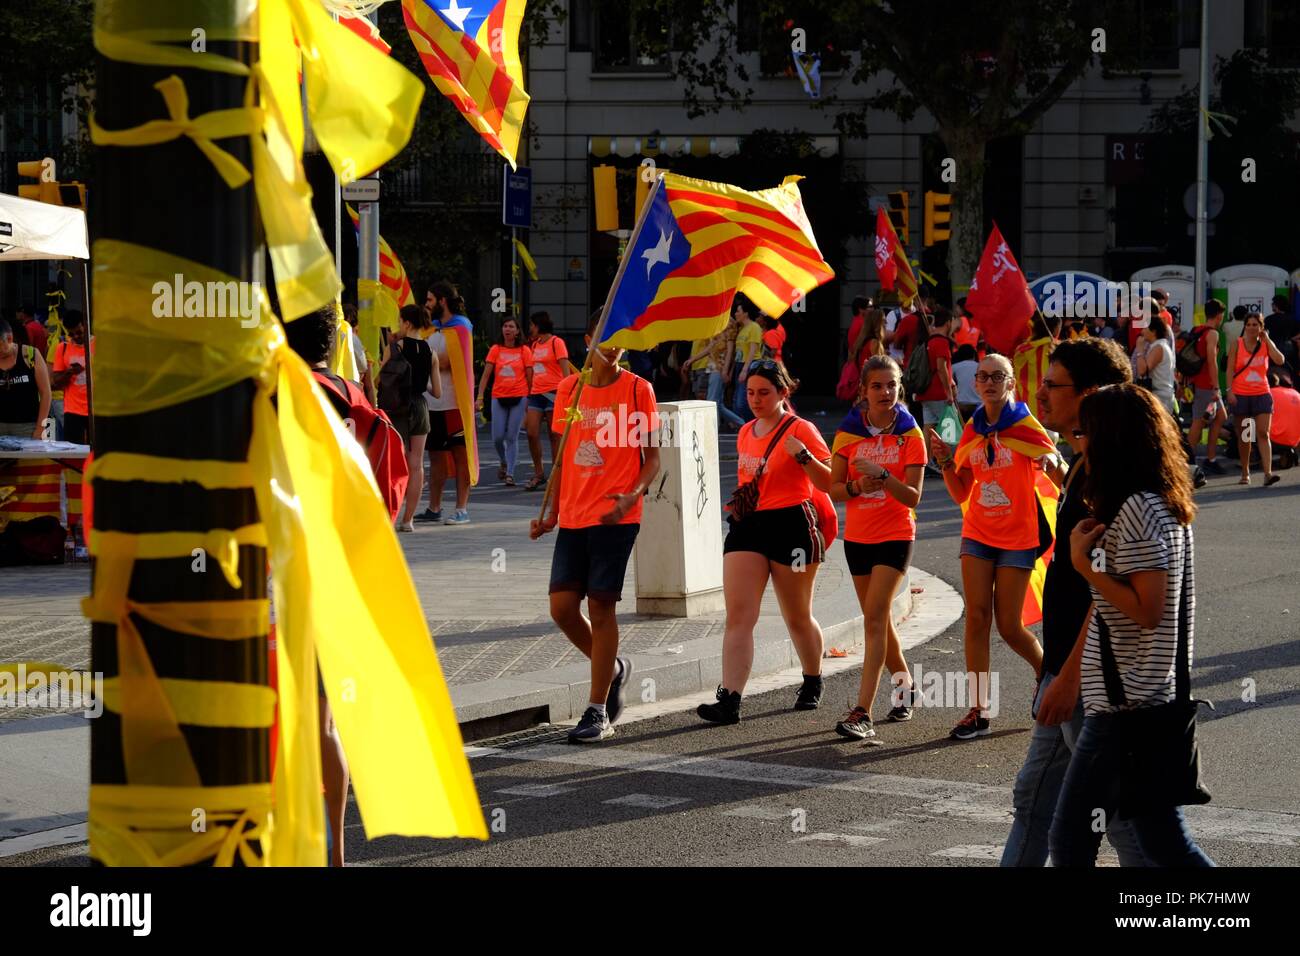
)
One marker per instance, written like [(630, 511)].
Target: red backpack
[(376, 435)]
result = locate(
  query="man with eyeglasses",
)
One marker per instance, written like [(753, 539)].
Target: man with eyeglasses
[(1076, 369)]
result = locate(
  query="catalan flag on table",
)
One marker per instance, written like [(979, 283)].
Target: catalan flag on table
[(470, 49), (1021, 432), (891, 260), (697, 244)]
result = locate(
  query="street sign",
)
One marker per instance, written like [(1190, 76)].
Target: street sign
[(517, 197), (362, 190), (1213, 200)]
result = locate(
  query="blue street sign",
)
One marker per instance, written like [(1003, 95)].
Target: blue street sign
[(517, 197)]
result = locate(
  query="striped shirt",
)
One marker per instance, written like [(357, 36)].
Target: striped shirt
[(1144, 536)]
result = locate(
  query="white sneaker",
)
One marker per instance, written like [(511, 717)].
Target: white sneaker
[(404, 526)]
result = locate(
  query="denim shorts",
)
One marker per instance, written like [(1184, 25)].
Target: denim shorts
[(593, 561), (1001, 557), (542, 401)]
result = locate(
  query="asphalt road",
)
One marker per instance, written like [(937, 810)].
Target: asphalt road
[(782, 789)]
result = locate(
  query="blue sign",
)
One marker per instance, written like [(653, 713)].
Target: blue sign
[(517, 197)]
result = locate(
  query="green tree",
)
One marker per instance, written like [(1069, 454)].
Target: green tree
[(982, 71)]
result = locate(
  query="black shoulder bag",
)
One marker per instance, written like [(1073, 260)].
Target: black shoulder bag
[(744, 500), (1159, 756)]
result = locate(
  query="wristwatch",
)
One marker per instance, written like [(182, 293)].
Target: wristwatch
[(803, 457), (850, 487)]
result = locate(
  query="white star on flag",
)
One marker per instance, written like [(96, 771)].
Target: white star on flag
[(457, 14), (658, 253)]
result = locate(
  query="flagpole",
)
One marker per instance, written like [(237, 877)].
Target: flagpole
[(595, 340)]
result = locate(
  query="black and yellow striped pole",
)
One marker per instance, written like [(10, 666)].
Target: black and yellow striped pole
[(173, 781)]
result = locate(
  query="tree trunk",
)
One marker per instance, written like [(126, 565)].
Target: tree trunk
[(967, 224), (169, 197)]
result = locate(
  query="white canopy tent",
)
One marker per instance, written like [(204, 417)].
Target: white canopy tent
[(37, 230)]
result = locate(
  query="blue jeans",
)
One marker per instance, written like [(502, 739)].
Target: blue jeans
[(740, 400), (1091, 785), (1038, 789), (716, 390), (506, 423)]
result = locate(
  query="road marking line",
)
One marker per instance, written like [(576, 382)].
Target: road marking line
[(537, 790), (976, 802), (848, 839), (647, 800), (971, 851)]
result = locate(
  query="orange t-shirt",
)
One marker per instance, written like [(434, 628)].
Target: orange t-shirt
[(784, 483), (1249, 376), (1002, 510), (508, 378), (879, 516), (603, 453), (67, 354), (548, 364)]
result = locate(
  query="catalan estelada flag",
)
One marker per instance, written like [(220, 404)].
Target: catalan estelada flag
[(698, 244), (459, 333), (891, 260), (391, 274), (1020, 432), (470, 49)]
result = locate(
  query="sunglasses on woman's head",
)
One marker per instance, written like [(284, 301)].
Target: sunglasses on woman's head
[(763, 365)]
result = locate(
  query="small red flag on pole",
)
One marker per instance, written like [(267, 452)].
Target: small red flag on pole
[(999, 296)]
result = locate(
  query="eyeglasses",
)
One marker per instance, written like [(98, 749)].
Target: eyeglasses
[(997, 378), (1051, 385)]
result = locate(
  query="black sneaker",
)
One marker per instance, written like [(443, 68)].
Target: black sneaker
[(906, 697), (971, 726), (615, 703), (725, 711), (428, 514), (1198, 477), (1213, 467), (810, 694), (594, 726), (856, 725)]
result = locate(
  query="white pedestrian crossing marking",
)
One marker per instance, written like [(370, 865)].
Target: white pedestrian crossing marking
[(647, 800), (537, 790), (974, 802), (848, 839)]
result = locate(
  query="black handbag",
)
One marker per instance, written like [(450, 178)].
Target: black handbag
[(1160, 759), (744, 500)]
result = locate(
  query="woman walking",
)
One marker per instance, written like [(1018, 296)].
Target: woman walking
[(1154, 362), (550, 365), (401, 395), (510, 365), (877, 465), (992, 476), (1252, 399), (774, 533), (1129, 761)]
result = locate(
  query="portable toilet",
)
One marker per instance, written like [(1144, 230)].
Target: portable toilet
[(1250, 285), (1179, 282)]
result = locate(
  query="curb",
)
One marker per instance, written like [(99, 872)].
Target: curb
[(489, 708)]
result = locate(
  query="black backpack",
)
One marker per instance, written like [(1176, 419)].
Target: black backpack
[(916, 375), (395, 384), (1189, 361)]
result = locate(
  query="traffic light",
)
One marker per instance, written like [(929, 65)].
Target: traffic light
[(937, 218), (603, 181), (48, 188), (898, 214)]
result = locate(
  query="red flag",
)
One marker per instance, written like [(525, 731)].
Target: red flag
[(891, 259), (999, 296)]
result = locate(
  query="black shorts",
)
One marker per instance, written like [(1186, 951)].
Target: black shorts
[(76, 428), (783, 535), (1243, 406), (593, 561), (445, 430), (863, 557)]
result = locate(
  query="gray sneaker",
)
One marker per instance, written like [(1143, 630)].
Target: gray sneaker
[(594, 726), (614, 706), (459, 516)]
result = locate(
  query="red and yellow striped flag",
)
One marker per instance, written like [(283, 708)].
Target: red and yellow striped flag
[(698, 244), (391, 274), (470, 49)]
